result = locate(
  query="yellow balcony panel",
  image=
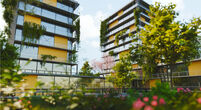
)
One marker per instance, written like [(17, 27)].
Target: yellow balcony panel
[(113, 24), (194, 68), (51, 2), (111, 38), (132, 28), (60, 42), (152, 83), (120, 13), (135, 66), (30, 81), (142, 19), (32, 19), (60, 54)]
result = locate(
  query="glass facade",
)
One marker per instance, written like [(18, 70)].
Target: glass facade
[(20, 20), (29, 52), (46, 13), (46, 40), (51, 20)]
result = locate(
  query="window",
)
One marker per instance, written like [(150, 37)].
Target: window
[(46, 40), (61, 30), (46, 69), (61, 18), (30, 67), (20, 19), (70, 9), (59, 69), (49, 27), (18, 34), (70, 21), (21, 5), (69, 45), (29, 52), (48, 14), (62, 6)]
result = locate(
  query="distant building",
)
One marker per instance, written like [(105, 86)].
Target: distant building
[(57, 16), (124, 19)]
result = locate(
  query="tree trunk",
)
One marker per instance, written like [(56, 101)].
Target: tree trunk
[(171, 79)]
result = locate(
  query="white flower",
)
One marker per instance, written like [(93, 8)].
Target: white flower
[(60, 97), (75, 98), (17, 104), (19, 72), (7, 90), (70, 91), (6, 71), (6, 108), (73, 106)]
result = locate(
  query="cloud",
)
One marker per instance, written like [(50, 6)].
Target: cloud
[(179, 3), (2, 23)]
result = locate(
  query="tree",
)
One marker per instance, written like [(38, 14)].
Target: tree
[(104, 65), (86, 70), (9, 68), (123, 73), (166, 41)]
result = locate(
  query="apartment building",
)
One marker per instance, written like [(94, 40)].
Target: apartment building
[(123, 19), (57, 16)]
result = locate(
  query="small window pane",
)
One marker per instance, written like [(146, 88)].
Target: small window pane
[(29, 52), (61, 18), (61, 30), (21, 5), (18, 34), (20, 19), (47, 40), (49, 27), (48, 14), (28, 67)]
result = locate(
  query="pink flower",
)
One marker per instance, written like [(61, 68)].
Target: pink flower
[(146, 99), (161, 101), (199, 100), (188, 90), (178, 89), (155, 97), (105, 96), (200, 89), (137, 105), (148, 108), (154, 103), (19, 100)]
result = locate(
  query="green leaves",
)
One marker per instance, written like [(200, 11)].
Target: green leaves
[(32, 32), (76, 27), (103, 31)]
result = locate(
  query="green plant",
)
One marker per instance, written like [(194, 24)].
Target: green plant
[(123, 73), (120, 35), (45, 58), (32, 32), (103, 31), (77, 29)]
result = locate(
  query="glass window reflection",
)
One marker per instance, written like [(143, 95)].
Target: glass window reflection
[(18, 34), (20, 19), (29, 52), (46, 40)]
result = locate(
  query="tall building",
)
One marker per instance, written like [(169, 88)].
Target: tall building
[(57, 16), (123, 19)]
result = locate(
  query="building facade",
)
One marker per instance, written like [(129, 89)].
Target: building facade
[(124, 19), (57, 17)]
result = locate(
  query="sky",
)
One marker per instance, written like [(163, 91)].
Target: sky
[(93, 11)]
